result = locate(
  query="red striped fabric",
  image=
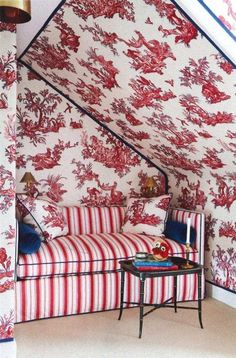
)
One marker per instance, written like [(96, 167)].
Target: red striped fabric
[(60, 296), (57, 290), (88, 253), (90, 220)]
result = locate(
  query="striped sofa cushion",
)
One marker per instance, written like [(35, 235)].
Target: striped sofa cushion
[(93, 220), (88, 253)]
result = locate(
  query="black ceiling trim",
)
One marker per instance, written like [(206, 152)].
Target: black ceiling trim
[(42, 28), (203, 33), (98, 122)]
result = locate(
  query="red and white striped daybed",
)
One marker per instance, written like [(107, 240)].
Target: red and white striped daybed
[(79, 273)]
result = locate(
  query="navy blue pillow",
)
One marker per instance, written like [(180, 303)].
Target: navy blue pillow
[(177, 231), (29, 240)]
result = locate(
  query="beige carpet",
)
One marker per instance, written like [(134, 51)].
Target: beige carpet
[(165, 335)]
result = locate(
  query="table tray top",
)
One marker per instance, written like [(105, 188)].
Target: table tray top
[(127, 265)]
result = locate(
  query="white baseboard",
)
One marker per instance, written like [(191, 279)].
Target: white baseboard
[(227, 297), (8, 349)]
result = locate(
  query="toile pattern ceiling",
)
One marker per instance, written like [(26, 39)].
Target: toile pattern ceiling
[(73, 159)]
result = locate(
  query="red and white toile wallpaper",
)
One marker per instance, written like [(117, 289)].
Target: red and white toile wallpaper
[(7, 179), (74, 160), (145, 71)]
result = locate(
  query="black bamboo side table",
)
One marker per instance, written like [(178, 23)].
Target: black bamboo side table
[(127, 266)]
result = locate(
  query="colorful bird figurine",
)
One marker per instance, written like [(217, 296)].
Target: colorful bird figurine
[(160, 249)]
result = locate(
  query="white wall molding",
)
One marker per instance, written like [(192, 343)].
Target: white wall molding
[(8, 349), (227, 297)]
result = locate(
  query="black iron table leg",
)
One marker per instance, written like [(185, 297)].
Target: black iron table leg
[(199, 298), (175, 293), (122, 293), (142, 282)]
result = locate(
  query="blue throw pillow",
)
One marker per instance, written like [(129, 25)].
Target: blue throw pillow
[(29, 240), (177, 231)]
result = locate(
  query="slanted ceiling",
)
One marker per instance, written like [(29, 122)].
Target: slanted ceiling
[(141, 69), (129, 65)]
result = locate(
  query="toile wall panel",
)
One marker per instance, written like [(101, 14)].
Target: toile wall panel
[(7, 181), (145, 71), (74, 160)]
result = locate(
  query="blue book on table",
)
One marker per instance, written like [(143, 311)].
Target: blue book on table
[(153, 263)]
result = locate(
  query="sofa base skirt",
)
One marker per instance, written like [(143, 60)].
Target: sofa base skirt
[(70, 295)]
